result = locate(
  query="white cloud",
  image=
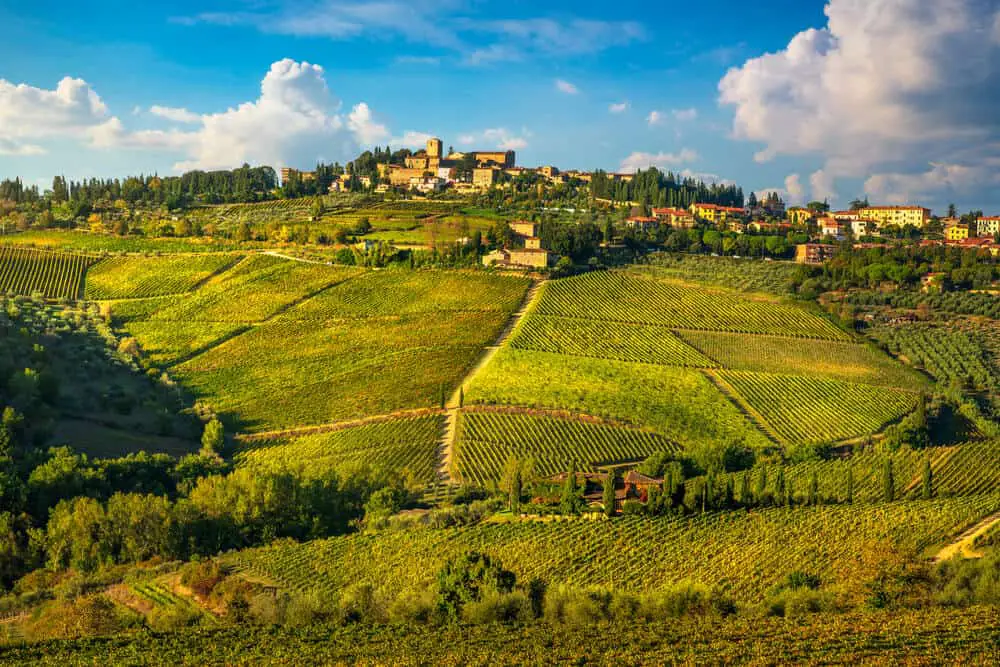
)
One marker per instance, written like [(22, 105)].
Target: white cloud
[(566, 87), (655, 117), (365, 128), (411, 139), (883, 85), (618, 107), (685, 114), (952, 179), (792, 193), (640, 160), (996, 27), (821, 183), (175, 114), (439, 23), (10, 147), (29, 114), (497, 137)]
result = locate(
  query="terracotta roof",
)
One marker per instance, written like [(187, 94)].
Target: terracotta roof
[(894, 208), (670, 211), (635, 477)]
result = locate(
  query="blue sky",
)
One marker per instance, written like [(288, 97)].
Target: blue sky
[(579, 85)]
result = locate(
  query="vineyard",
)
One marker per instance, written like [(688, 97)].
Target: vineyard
[(923, 636), (947, 353), (968, 469), (54, 275), (136, 277), (89, 242), (680, 404), (400, 446), (837, 360), (749, 552), (622, 297), (805, 409), (487, 440), (625, 342), (745, 274)]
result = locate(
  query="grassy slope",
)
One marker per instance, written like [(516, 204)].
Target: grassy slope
[(130, 277)]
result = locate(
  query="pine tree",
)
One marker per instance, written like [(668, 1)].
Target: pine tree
[(888, 482), (850, 485), (609, 494), (928, 490)]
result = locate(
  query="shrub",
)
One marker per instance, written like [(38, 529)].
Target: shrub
[(794, 603), (167, 618), (202, 577), (359, 603), (495, 607), (412, 606)]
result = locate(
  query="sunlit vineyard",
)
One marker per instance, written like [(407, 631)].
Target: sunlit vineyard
[(808, 409), (838, 360), (626, 342), (957, 470), (622, 297), (402, 292), (745, 274), (400, 446), (680, 404), (749, 553), (924, 636), (54, 275), (947, 353), (487, 440), (132, 277)]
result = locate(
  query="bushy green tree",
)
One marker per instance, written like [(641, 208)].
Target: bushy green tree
[(212, 438), (467, 579)]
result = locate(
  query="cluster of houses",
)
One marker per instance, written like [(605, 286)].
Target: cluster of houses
[(633, 486), (526, 251)]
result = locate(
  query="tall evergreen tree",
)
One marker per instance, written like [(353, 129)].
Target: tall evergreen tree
[(814, 489), (608, 496), (928, 479), (515, 492), (850, 485), (568, 504), (888, 482), (761, 485), (745, 497)]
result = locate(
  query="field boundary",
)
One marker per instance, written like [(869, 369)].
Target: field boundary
[(963, 544), (744, 407), (446, 445), (332, 427)]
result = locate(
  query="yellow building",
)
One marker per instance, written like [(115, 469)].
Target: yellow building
[(989, 226), (716, 213), (899, 216), (799, 216), (524, 228), (956, 232), (486, 177)]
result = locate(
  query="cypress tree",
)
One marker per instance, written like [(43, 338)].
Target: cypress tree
[(745, 489), (888, 482), (761, 485), (730, 497), (789, 494), (850, 485), (707, 501), (814, 489), (779, 486), (515, 492), (609, 494), (461, 397), (568, 502), (928, 480)]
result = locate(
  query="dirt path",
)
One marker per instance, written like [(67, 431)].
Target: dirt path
[(447, 443), (963, 545), (275, 253)]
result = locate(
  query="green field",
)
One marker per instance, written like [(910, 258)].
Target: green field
[(627, 298), (807, 409), (406, 446), (89, 242), (54, 275), (749, 552), (933, 636), (487, 440), (852, 362), (136, 277), (959, 470)]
